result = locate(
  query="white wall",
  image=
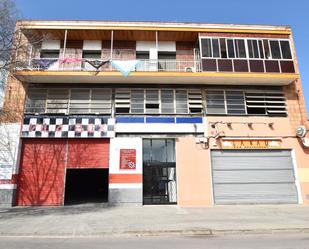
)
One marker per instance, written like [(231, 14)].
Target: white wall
[(9, 149), (125, 143)]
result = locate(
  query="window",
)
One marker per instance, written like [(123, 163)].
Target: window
[(137, 101), (266, 49), (152, 104), (245, 48), (223, 48), (215, 102), (240, 48), (181, 101), (167, 61), (79, 101), (286, 50), (57, 100), (206, 48), (159, 150), (36, 100), (261, 49), (262, 103), (49, 54), (122, 100), (275, 49), (142, 55), (167, 101), (235, 102), (195, 101), (253, 49), (101, 101), (231, 48), (91, 54), (215, 48)]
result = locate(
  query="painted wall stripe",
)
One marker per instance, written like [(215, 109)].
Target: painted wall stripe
[(125, 178), (125, 185), (7, 186)]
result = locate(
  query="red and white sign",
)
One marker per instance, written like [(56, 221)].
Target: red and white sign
[(127, 159)]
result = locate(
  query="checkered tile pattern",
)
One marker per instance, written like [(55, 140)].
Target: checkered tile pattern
[(67, 127)]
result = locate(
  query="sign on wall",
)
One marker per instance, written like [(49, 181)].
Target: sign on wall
[(251, 144), (127, 159)]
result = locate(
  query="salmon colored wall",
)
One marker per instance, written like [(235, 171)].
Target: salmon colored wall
[(282, 128), (194, 186)]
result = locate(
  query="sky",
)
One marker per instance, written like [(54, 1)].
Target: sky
[(272, 12)]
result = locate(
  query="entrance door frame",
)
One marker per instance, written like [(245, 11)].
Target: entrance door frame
[(167, 163)]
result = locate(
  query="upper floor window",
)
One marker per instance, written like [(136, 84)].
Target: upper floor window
[(156, 101), (50, 49), (245, 48)]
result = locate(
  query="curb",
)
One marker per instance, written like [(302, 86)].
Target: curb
[(165, 233)]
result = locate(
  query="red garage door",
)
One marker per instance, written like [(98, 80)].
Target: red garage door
[(88, 153), (41, 177)]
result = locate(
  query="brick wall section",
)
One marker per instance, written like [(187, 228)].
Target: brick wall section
[(185, 50), (14, 101), (296, 105)]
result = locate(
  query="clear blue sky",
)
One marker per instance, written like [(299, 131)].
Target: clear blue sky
[(275, 12)]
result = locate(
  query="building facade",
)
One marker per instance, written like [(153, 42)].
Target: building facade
[(137, 113)]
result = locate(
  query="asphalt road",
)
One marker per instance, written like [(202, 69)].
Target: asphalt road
[(291, 241)]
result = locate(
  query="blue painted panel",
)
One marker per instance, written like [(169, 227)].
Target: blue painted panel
[(189, 120), (130, 120), (165, 120)]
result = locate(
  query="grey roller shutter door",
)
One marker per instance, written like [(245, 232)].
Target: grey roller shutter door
[(253, 176)]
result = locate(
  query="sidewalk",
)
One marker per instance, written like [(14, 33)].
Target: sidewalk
[(100, 220)]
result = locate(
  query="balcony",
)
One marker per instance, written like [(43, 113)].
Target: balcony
[(185, 68), (99, 65)]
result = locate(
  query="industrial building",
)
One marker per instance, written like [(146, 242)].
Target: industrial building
[(139, 113)]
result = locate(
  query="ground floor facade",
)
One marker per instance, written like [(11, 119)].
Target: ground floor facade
[(187, 161)]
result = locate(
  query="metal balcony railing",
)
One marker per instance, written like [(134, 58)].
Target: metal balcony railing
[(142, 65)]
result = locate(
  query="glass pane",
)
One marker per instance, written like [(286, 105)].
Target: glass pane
[(240, 48), (253, 49), (215, 48), (206, 48), (286, 50), (146, 150), (158, 150), (215, 102), (231, 51), (170, 148), (181, 101), (250, 49), (275, 49), (167, 101), (266, 49), (223, 48), (137, 101), (261, 50)]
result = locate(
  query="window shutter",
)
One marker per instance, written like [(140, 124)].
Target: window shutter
[(152, 104), (137, 101), (101, 101), (270, 102), (215, 102), (122, 100), (235, 102), (57, 100), (36, 101), (167, 101), (181, 101), (79, 101), (195, 101)]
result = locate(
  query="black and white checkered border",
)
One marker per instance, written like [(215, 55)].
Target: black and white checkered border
[(67, 127)]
